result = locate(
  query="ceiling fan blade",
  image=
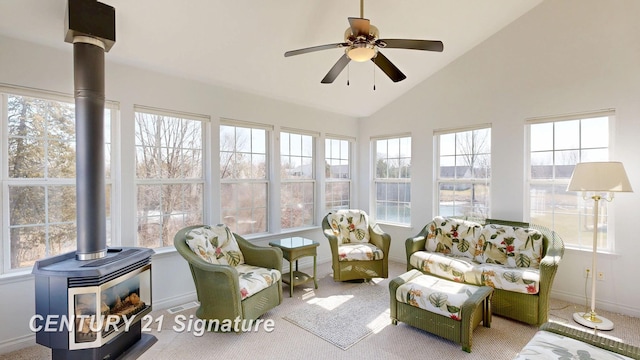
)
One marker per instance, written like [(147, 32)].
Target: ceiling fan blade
[(428, 45), (314, 48), (359, 26), (388, 68), (336, 69)]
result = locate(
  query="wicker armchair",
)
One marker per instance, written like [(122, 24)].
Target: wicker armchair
[(349, 229), (217, 286)]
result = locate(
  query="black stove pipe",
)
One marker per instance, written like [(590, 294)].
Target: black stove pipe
[(90, 26), (88, 65)]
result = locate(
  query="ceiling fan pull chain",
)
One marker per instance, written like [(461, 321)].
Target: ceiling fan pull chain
[(348, 67), (374, 78)]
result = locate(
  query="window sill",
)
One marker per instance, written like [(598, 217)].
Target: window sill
[(16, 277), (397, 225)]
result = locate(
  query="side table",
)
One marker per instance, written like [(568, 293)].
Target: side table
[(292, 249)]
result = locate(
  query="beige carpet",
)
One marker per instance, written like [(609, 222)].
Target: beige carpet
[(288, 341)]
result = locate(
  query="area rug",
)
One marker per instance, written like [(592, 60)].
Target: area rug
[(346, 318)]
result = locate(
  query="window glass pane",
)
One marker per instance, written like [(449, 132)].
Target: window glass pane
[(567, 135), (594, 133), (541, 137), (542, 165), (447, 144), (297, 204)]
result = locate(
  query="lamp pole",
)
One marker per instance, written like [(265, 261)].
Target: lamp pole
[(591, 319)]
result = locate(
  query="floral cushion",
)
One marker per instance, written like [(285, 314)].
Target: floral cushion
[(216, 245), (510, 246), (456, 268), (547, 345), (523, 280), (359, 252), (436, 295), (453, 236), (349, 226), (253, 279)]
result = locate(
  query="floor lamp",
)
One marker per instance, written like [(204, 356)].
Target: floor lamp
[(597, 177)]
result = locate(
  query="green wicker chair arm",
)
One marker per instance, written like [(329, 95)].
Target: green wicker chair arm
[(395, 283), (380, 239), (415, 243), (333, 240), (595, 340), (262, 256)]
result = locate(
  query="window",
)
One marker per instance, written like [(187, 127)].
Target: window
[(39, 174), (556, 145), (463, 172), (244, 180), (337, 174), (169, 174), (392, 180), (297, 187)]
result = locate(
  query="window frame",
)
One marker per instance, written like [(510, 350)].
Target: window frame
[(267, 179), (162, 181), (375, 180), (332, 180), (112, 147), (439, 180), (284, 181), (606, 245)]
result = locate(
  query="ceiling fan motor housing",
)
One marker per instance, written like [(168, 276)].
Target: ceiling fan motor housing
[(361, 47)]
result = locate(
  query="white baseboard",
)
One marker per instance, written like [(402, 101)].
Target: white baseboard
[(604, 305), (174, 300), (21, 342)]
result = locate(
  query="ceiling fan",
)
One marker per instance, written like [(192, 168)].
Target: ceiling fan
[(362, 43)]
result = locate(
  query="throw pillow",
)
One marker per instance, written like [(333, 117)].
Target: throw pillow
[(350, 226), (511, 246), (215, 244), (453, 236)]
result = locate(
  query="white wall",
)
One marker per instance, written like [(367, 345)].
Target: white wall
[(561, 57), (31, 65)]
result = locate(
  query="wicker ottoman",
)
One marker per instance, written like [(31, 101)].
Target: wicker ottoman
[(442, 307)]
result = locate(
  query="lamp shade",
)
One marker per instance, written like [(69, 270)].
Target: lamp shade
[(599, 176)]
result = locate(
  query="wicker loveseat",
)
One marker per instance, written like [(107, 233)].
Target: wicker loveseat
[(519, 260), (233, 277)]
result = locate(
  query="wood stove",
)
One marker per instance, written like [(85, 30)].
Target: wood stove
[(93, 309), (90, 303)]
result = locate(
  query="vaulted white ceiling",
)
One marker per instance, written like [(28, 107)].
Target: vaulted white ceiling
[(240, 44)]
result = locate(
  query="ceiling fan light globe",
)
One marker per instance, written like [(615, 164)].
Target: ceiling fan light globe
[(361, 54)]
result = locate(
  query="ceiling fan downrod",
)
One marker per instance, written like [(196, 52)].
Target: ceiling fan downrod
[(362, 9)]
